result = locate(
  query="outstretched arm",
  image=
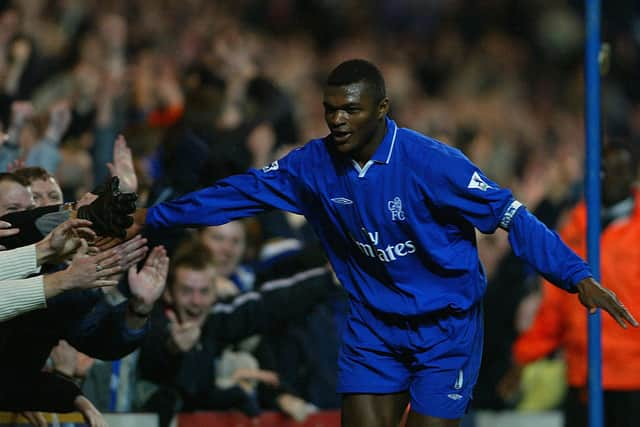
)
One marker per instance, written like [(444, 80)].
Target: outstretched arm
[(552, 258), (277, 186), (465, 189), (232, 198)]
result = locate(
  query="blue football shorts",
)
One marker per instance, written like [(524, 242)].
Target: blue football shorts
[(435, 357)]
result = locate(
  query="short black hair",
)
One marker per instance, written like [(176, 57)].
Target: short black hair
[(358, 70), (190, 254)]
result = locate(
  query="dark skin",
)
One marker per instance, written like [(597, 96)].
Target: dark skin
[(357, 125), (356, 120)]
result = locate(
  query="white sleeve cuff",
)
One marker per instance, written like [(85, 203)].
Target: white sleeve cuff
[(508, 215)]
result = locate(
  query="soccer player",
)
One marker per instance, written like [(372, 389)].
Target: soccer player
[(396, 212)]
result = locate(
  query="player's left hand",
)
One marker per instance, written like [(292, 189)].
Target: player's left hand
[(593, 296)]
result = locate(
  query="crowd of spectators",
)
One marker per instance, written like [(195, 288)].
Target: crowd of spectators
[(171, 96)]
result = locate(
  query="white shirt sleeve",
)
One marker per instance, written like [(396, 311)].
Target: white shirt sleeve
[(20, 296), (18, 263)]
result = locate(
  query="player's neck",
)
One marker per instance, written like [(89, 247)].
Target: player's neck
[(364, 155)]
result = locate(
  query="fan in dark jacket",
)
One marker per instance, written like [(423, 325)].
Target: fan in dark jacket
[(191, 329)]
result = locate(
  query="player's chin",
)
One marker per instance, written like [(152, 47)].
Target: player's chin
[(345, 147), (342, 148)]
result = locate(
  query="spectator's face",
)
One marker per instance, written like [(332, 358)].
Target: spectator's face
[(353, 116), (192, 293), (617, 176), (14, 197), (46, 192), (227, 243)]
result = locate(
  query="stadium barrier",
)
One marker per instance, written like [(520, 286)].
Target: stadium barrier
[(9, 419), (272, 419), (267, 419)]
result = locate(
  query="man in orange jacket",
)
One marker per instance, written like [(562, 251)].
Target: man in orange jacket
[(562, 322)]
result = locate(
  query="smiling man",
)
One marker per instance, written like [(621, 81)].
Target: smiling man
[(396, 212), (192, 329), (192, 292)]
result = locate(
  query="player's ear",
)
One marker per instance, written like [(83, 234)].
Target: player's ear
[(383, 108)]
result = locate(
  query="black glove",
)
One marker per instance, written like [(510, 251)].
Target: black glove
[(111, 212)]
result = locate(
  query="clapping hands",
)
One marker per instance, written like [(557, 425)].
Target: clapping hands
[(147, 284), (122, 166)]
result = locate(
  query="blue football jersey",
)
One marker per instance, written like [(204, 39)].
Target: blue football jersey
[(399, 231)]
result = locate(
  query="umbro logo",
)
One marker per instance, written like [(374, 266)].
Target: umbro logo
[(478, 183), (454, 396), (342, 201)]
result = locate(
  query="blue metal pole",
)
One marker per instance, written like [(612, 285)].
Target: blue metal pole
[(113, 386), (592, 183)]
